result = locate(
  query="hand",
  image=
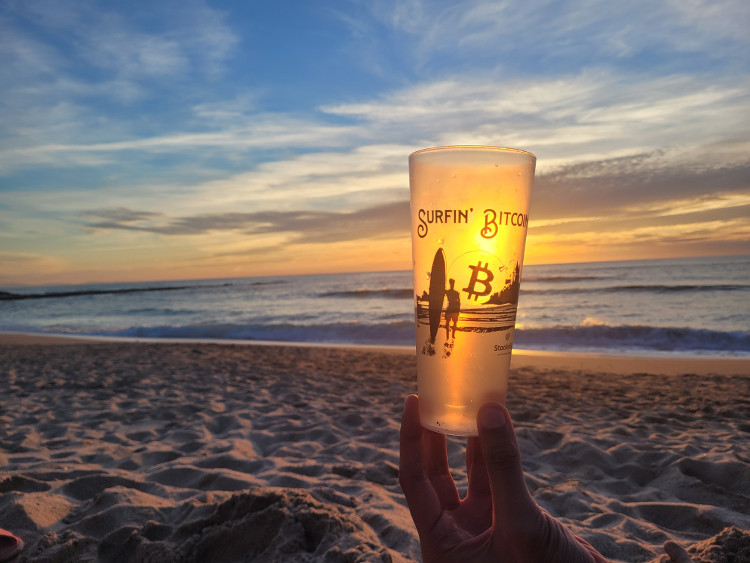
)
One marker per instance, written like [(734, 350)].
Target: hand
[(498, 521)]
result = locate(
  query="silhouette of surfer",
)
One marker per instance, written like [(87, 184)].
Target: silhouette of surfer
[(452, 310)]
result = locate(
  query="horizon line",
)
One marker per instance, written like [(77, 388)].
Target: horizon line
[(339, 273)]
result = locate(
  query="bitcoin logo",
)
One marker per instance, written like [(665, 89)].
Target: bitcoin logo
[(485, 281)]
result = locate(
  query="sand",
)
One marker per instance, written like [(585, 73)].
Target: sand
[(119, 451)]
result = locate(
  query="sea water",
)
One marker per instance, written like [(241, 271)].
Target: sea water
[(676, 306)]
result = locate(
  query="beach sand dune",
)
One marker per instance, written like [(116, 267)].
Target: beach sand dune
[(207, 452)]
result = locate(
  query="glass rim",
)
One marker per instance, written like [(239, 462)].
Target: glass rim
[(467, 148)]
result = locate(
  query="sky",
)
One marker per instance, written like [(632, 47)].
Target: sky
[(193, 139)]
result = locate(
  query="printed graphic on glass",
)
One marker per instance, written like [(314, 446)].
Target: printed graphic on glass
[(475, 292)]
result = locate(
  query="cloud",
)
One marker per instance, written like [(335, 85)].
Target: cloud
[(264, 132), (590, 113), (191, 36), (662, 181), (732, 235), (327, 181), (72, 69), (117, 218), (546, 32), (727, 19), (330, 179), (588, 116), (381, 221), (663, 187)]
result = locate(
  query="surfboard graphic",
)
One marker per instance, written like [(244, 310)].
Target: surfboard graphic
[(437, 292)]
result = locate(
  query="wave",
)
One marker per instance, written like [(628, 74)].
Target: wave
[(8, 296), (398, 293), (634, 337), (262, 283), (396, 333), (592, 338), (407, 293), (640, 288), (558, 279)]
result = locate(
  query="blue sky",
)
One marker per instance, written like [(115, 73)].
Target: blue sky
[(169, 140)]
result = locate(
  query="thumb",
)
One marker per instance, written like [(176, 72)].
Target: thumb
[(515, 511)]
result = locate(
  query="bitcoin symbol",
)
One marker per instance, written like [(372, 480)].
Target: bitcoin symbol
[(485, 281)]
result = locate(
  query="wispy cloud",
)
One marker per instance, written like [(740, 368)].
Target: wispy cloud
[(304, 227), (660, 179), (659, 188), (703, 234), (94, 65), (193, 37), (257, 132), (588, 115), (547, 31), (118, 217)]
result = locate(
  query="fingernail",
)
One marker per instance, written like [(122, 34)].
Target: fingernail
[(492, 416), (409, 398)]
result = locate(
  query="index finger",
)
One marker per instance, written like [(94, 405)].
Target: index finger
[(421, 497)]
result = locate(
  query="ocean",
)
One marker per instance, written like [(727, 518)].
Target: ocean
[(695, 306)]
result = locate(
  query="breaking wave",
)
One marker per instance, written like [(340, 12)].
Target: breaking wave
[(584, 337), (634, 338), (398, 293)]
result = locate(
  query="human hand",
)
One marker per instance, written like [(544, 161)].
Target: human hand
[(498, 520)]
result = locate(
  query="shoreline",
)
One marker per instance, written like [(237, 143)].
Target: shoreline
[(671, 363)]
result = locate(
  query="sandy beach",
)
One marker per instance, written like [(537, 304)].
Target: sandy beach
[(124, 451)]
